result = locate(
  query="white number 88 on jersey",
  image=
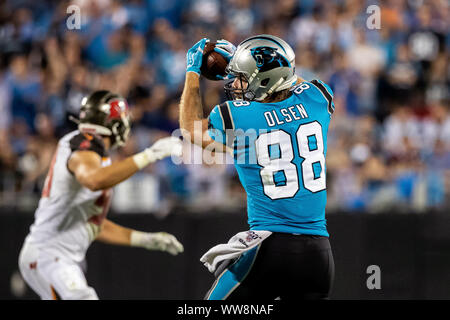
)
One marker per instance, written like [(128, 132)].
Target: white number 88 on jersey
[(312, 156)]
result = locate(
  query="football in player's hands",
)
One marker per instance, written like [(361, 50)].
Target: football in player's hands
[(213, 63)]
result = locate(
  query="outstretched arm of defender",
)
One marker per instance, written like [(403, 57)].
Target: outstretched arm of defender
[(87, 168)]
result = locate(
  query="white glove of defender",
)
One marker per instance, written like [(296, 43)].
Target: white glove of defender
[(162, 148), (161, 241), (165, 147)]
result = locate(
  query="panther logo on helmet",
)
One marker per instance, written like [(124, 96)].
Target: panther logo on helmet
[(267, 58)]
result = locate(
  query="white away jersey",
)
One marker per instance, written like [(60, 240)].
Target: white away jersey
[(69, 215)]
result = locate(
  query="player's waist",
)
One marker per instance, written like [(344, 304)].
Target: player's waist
[(60, 246), (296, 243), (296, 236), (315, 228), (295, 231), (75, 238)]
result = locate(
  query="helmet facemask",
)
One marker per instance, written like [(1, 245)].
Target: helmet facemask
[(120, 123), (120, 131), (242, 92)]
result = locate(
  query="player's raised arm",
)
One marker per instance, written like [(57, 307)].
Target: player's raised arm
[(192, 122)]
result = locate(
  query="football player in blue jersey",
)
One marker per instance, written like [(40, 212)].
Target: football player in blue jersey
[(275, 124)]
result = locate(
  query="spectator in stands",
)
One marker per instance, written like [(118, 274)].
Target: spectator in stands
[(389, 141)]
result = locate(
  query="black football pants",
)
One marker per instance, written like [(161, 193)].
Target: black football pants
[(285, 266)]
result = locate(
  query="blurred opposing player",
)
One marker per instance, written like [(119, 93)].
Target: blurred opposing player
[(275, 124), (76, 198)]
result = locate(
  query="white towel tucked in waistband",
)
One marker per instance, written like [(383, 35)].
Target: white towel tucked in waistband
[(237, 245)]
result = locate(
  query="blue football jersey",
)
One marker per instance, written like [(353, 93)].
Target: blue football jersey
[(279, 154)]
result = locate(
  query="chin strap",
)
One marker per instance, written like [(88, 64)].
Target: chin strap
[(73, 119), (288, 83), (271, 90)]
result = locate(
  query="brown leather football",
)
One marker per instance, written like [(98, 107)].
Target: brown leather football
[(213, 63)]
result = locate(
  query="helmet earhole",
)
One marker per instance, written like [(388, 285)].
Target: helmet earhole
[(265, 82)]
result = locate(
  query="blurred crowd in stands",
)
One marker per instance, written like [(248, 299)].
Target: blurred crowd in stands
[(389, 140)]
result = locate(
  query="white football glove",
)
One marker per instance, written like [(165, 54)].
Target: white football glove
[(165, 147), (161, 241), (162, 148)]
